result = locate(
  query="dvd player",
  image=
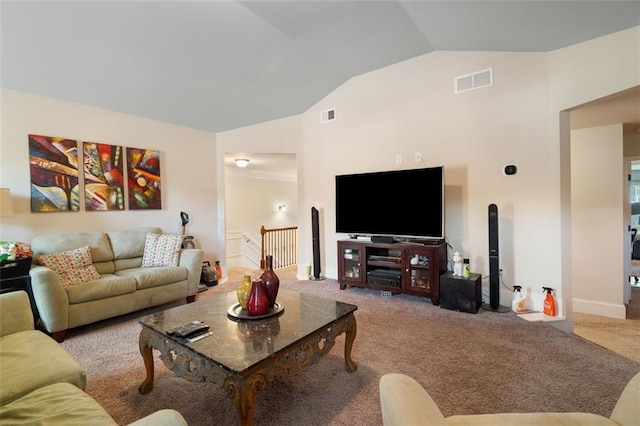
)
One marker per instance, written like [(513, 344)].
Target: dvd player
[(384, 277), (378, 258)]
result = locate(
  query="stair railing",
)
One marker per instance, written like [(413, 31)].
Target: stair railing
[(282, 244)]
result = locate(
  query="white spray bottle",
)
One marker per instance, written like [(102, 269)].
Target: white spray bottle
[(518, 305)]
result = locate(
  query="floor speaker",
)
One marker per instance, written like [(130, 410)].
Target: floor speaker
[(315, 239), (494, 258)]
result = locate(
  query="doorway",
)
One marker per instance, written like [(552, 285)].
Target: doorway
[(633, 206), (263, 193)]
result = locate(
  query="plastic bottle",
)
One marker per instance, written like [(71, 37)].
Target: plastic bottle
[(466, 270), (218, 270), (549, 302), (518, 305)]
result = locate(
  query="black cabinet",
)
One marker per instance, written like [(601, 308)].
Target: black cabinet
[(460, 293), (14, 276)]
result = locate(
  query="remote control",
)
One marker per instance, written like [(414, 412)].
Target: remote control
[(188, 330), (197, 337)]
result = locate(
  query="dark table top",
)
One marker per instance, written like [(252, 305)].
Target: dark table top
[(238, 344)]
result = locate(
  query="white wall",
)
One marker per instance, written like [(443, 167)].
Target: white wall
[(598, 237), (632, 145), (188, 175), (251, 203), (412, 107)]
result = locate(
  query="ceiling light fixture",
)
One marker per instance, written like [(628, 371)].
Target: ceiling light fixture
[(242, 162)]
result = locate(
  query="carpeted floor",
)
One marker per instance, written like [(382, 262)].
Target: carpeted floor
[(482, 363)]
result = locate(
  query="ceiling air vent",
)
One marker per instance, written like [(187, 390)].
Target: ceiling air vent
[(473, 81), (328, 115)]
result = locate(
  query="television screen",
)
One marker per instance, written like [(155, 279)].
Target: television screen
[(404, 203)]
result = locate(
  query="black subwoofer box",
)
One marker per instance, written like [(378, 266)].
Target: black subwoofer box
[(459, 293)]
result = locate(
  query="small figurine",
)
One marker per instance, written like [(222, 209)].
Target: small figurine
[(457, 264)]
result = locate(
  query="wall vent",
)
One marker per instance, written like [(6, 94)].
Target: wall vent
[(328, 115), (473, 81)]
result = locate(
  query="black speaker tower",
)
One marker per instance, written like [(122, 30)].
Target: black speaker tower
[(315, 237), (494, 261)]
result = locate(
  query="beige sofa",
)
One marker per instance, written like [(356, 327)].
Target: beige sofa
[(405, 402), (123, 285), (47, 389)]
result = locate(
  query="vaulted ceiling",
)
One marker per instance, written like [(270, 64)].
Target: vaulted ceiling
[(220, 65)]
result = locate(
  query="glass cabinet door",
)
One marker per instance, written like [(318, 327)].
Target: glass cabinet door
[(420, 273), (352, 266)]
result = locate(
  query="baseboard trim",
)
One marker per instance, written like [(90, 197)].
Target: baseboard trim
[(594, 307)]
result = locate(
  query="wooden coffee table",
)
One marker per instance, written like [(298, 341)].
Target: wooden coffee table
[(243, 356)]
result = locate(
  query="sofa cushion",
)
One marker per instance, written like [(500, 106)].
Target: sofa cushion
[(627, 409), (26, 365), (529, 419), (164, 417), (107, 286), (56, 404), (55, 243), (74, 266), (134, 262), (130, 244), (154, 277), (161, 250)]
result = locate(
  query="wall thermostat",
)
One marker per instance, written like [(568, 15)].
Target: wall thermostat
[(510, 169)]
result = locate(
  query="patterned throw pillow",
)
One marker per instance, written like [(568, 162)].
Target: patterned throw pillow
[(74, 266), (161, 250)]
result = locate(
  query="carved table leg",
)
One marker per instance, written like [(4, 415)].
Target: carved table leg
[(350, 336), (243, 393), (147, 355)]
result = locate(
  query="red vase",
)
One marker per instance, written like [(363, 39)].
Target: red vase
[(270, 280), (258, 303)]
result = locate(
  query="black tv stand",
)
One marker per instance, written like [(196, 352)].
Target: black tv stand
[(400, 267)]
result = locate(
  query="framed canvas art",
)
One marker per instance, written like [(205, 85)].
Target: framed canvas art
[(53, 164), (103, 177), (143, 177)]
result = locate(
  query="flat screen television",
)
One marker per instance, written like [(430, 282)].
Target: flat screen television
[(400, 203)]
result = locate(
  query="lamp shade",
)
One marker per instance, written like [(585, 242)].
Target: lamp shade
[(6, 205)]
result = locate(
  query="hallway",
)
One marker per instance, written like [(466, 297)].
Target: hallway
[(617, 335)]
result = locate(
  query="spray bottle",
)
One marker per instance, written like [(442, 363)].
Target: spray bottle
[(518, 305), (218, 270), (549, 302)]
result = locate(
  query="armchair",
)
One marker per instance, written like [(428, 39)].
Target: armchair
[(405, 402), (48, 389)]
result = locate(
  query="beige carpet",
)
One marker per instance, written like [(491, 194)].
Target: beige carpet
[(482, 363), (617, 335)]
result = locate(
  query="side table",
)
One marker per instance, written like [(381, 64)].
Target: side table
[(460, 293)]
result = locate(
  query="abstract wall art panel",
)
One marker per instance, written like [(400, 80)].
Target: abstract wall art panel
[(143, 176), (103, 177), (53, 164)]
